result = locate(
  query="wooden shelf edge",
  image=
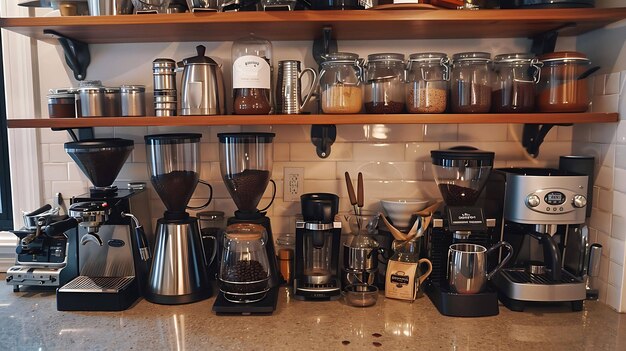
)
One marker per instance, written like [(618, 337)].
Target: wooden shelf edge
[(178, 121)]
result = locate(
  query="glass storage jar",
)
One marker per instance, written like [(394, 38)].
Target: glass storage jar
[(244, 267), (560, 89), (252, 76), (62, 103), (340, 83), (384, 83), (427, 77), (514, 80), (471, 82)]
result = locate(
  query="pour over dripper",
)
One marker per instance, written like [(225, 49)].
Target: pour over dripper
[(174, 163), (246, 165), (461, 173), (100, 159)]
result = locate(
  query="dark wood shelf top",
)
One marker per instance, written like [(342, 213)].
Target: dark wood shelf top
[(521, 118), (307, 25)]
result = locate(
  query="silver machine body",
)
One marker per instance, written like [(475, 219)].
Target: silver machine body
[(544, 220)]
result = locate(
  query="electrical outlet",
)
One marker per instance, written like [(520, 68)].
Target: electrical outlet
[(293, 185)]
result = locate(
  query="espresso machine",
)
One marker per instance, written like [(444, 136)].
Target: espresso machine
[(44, 257), (318, 236), (246, 165), (179, 272), (461, 174), (113, 250), (544, 218)]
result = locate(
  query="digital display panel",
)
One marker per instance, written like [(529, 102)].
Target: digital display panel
[(555, 198)]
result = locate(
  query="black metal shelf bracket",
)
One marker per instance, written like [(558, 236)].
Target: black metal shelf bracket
[(76, 52), (86, 133)]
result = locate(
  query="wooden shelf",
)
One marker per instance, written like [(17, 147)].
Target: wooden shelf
[(307, 25), (536, 118)]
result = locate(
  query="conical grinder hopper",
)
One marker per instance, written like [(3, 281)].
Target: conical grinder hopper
[(246, 161), (100, 159)]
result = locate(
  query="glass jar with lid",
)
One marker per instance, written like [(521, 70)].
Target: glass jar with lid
[(252, 76), (405, 271), (427, 79), (384, 83), (471, 82), (340, 83), (244, 267), (514, 80), (560, 89)]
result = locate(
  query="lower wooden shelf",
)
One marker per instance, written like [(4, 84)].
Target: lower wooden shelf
[(486, 118)]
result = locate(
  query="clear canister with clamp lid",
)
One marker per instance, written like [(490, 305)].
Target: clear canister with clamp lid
[(384, 83), (514, 80), (427, 80), (340, 82), (471, 82)]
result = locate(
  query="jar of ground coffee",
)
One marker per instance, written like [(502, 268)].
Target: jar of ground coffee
[(427, 79), (471, 82), (340, 83), (560, 89), (252, 76), (514, 80), (62, 103), (384, 83)]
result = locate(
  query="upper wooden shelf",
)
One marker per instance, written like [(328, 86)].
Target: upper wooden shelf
[(307, 25), (521, 118)]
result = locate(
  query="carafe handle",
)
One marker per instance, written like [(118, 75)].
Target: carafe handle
[(273, 196), (209, 262), (423, 277), (505, 260), (312, 84), (210, 197)]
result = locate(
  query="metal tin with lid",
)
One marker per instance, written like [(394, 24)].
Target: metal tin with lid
[(427, 76), (91, 100), (112, 102), (133, 100), (62, 103)]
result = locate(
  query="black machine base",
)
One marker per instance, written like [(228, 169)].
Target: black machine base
[(463, 305), (327, 293), (265, 306), (520, 306), (178, 299), (82, 300)]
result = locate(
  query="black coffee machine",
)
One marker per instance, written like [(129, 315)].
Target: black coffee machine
[(461, 174), (246, 161), (318, 235)]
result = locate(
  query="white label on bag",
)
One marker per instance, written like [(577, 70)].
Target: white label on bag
[(400, 280), (251, 71)]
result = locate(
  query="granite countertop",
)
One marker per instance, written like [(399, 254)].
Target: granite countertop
[(30, 321)]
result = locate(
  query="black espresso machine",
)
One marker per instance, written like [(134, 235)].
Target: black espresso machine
[(467, 217)]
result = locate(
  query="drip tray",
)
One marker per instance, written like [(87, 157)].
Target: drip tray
[(98, 294), (523, 277), (520, 285)]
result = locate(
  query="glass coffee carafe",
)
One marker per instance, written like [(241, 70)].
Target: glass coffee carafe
[(252, 76)]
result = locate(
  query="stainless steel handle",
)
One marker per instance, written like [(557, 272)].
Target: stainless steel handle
[(311, 85), (595, 252)]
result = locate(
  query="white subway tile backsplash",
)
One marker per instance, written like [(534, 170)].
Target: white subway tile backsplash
[(139, 153), (213, 131), (67, 188), (483, 132), (378, 152), (604, 201), (324, 186), (134, 172), (617, 251), (225, 205), (618, 228), (604, 268), (605, 240), (608, 155), (54, 171), (209, 152), (606, 103), (74, 173), (581, 133), (620, 134), (414, 152), (615, 274), (565, 133), (602, 132), (44, 153), (622, 84), (619, 179), (613, 297), (306, 152), (285, 209), (374, 170), (48, 136), (619, 201), (612, 83), (58, 154), (604, 177), (620, 156), (440, 132), (599, 82), (104, 132), (133, 133), (600, 220), (281, 152)]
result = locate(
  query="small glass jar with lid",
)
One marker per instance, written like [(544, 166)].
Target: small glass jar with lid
[(560, 87), (384, 83), (252, 76), (514, 80), (427, 79), (341, 83), (471, 82)]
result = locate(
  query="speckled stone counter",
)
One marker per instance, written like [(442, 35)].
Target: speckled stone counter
[(30, 321)]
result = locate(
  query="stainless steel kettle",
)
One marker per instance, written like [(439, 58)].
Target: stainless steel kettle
[(202, 85)]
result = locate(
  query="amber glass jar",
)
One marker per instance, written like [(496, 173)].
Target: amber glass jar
[(560, 89)]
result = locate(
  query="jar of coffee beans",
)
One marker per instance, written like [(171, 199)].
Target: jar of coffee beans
[(244, 267), (427, 79), (384, 83), (515, 77), (471, 82), (340, 83)]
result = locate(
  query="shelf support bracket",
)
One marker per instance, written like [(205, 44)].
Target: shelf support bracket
[(76, 52), (323, 136), (86, 133)]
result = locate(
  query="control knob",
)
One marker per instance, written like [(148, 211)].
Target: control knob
[(580, 201), (533, 200)]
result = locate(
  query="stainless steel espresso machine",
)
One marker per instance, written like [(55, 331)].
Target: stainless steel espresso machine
[(544, 214), (113, 250), (318, 236)]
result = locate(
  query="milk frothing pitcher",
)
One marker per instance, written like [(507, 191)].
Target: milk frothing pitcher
[(288, 92), (467, 266)]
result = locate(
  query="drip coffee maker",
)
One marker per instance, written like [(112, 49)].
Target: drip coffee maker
[(179, 272), (114, 251), (460, 174), (318, 235), (246, 165)]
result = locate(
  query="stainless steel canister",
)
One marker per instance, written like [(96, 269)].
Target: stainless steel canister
[(112, 102), (133, 100), (91, 101), (164, 104), (164, 74)]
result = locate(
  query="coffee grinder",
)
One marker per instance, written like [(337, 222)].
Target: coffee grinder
[(114, 251), (179, 272), (544, 218), (318, 235), (460, 174), (246, 165)]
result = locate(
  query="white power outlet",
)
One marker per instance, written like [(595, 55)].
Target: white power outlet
[(293, 185)]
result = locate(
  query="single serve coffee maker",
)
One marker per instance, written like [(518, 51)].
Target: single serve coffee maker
[(318, 235)]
